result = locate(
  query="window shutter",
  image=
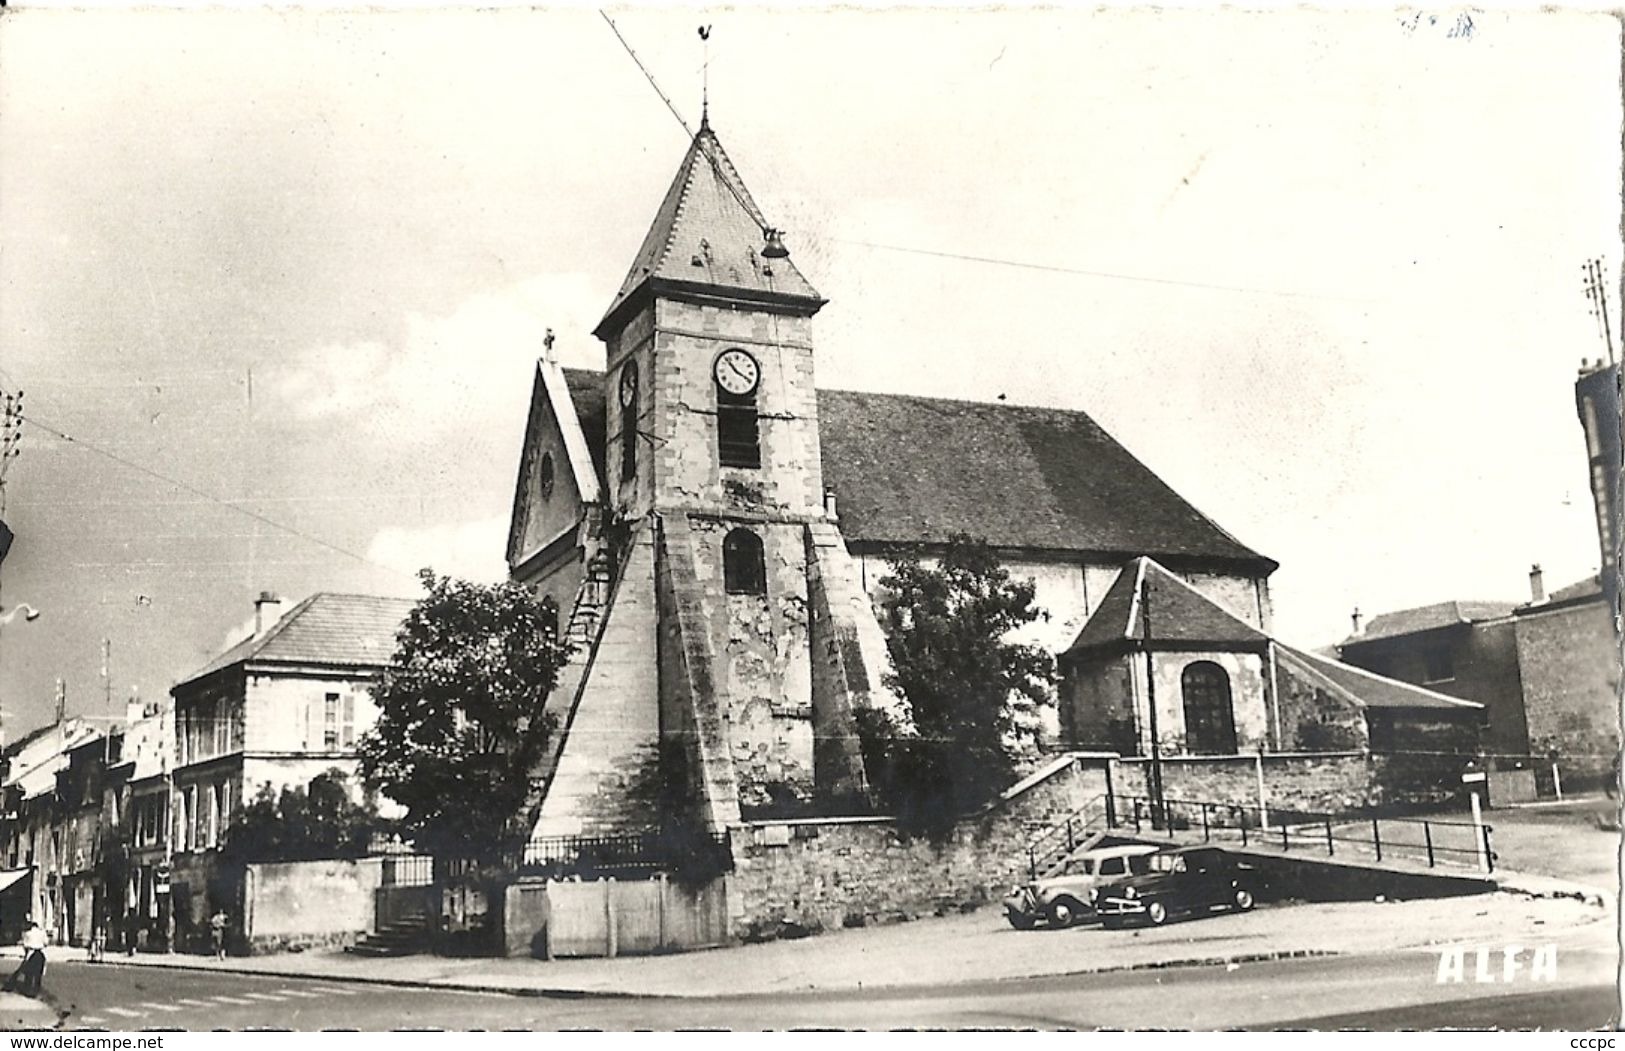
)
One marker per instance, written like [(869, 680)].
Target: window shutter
[(349, 721)]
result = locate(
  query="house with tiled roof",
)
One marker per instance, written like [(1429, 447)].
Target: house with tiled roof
[(287, 703), (1547, 670)]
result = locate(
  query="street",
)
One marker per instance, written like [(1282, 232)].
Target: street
[(1378, 990)]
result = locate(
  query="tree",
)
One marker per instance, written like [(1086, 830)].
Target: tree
[(460, 727), (970, 695), (318, 821)]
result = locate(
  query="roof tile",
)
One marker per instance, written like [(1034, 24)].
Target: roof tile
[(1179, 614), (708, 231), (326, 629)]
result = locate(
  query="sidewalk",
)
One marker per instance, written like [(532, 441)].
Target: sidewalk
[(974, 946)]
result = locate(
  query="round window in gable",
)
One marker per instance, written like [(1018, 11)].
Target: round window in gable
[(544, 476)]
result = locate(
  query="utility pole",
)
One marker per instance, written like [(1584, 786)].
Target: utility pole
[(1596, 290), (1155, 785)]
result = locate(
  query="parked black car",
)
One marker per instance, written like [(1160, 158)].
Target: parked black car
[(1181, 881)]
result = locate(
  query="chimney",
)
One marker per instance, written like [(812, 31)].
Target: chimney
[(1537, 585), (829, 503), (266, 610), (1359, 626)]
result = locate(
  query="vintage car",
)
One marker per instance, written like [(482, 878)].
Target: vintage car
[(1192, 881), (1063, 899)]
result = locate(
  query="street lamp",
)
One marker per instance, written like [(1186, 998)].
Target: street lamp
[(28, 612)]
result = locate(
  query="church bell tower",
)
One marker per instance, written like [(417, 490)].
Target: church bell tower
[(738, 640)]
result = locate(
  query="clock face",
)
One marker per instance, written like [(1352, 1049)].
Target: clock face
[(629, 384), (737, 372)]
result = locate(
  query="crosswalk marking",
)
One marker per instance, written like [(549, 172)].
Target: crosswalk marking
[(122, 1013), (91, 1020), (194, 1003), (272, 997), (338, 991), (161, 1007), (304, 993), (232, 1000)]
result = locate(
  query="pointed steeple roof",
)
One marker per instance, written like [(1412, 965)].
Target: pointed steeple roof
[(708, 235), (1181, 615)]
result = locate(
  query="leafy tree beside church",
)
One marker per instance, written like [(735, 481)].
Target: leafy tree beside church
[(970, 695), (461, 730), (318, 821)]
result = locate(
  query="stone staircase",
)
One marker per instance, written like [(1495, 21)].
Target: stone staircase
[(1052, 846), (405, 936)]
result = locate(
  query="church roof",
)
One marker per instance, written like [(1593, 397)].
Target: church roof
[(708, 232), (1179, 614), (909, 470), (587, 394), (1364, 688), (327, 628)]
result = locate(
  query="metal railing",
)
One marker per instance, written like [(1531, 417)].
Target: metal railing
[(634, 854), (1056, 843), (407, 870), (1358, 836)]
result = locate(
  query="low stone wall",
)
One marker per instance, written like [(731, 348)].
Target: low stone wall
[(308, 904), (1321, 783), (800, 877), (1315, 782)]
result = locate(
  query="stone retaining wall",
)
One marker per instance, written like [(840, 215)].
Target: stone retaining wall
[(800, 877), (1325, 783)]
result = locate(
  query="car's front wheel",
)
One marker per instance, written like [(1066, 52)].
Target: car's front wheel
[(1020, 920), (1157, 913), (1064, 912), (1242, 899)]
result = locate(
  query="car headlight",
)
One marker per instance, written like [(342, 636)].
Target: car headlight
[(1130, 892)]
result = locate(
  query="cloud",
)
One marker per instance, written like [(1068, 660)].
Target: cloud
[(471, 550), (236, 634), (471, 364)]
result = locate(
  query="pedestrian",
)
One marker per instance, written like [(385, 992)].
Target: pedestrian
[(217, 924), (29, 975)]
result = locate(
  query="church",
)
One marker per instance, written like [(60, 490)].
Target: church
[(714, 527)]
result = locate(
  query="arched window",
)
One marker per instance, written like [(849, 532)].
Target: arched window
[(629, 421), (1210, 725), (743, 570)]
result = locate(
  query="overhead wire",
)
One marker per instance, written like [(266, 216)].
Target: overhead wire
[(204, 494), (749, 206), (1108, 274), (761, 221)]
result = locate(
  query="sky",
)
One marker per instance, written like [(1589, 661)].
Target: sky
[(282, 278)]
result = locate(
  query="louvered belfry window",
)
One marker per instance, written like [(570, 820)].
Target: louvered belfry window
[(738, 440)]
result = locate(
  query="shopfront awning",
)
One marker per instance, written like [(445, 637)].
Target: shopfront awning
[(11, 877)]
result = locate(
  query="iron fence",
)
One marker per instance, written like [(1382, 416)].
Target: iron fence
[(1357, 836), (1060, 839), (407, 870), (680, 853)]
